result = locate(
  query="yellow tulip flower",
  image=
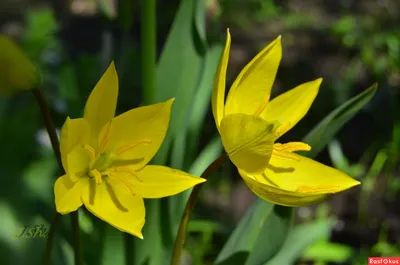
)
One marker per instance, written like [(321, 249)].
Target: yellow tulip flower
[(249, 125), (17, 73), (105, 159)]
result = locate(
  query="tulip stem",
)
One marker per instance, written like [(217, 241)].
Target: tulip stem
[(148, 46), (51, 130), (181, 236), (50, 238)]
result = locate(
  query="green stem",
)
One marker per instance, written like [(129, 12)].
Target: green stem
[(48, 121), (148, 45), (51, 129), (181, 236), (50, 239), (128, 241), (76, 238)]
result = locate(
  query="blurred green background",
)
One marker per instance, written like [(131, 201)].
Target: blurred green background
[(351, 44)]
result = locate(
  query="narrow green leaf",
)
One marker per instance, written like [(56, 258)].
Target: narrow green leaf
[(200, 22), (211, 152), (178, 73), (323, 133), (152, 243), (324, 251), (272, 235), (301, 237), (193, 128), (113, 248), (243, 238), (202, 100)]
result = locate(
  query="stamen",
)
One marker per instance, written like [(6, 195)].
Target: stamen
[(284, 155), (104, 142), (127, 170), (115, 177), (129, 146), (260, 108), (90, 151), (324, 189), (96, 175), (292, 147), (282, 129)]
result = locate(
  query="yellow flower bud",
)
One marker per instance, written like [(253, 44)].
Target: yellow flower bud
[(17, 73)]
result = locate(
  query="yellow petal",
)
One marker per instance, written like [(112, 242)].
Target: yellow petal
[(102, 102), (218, 92), (68, 194), (137, 134), (78, 162), (248, 141), (290, 107), (160, 181), (310, 176), (298, 182), (73, 133), (113, 203), (278, 195), (252, 88)]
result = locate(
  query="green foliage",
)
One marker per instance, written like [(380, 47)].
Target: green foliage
[(266, 234)]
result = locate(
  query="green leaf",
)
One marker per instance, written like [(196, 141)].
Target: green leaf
[(324, 251), (113, 248), (178, 74), (144, 249), (211, 152), (323, 133), (243, 238), (301, 236), (276, 227), (200, 22), (201, 102)]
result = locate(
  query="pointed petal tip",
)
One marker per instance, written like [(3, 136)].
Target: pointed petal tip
[(228, 35), (202, 180)]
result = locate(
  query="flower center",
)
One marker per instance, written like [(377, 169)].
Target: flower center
[(101, 164)]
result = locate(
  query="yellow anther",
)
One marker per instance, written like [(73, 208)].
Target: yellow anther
[(94, 173), (90, 151), (321, 189), (282, 129), (292, 147), (127, 170), (104, 141), (129, 146)]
